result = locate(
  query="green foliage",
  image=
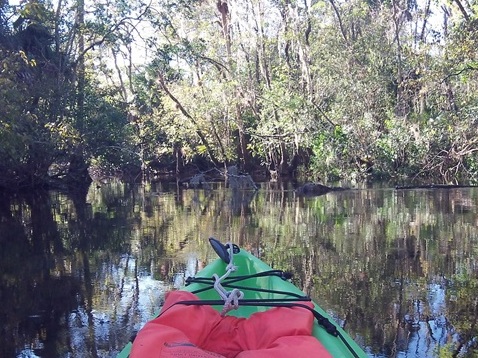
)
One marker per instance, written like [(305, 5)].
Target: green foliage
[(36, 87), (446, 351), (400, 150), (26, 149), (107, 132), (340, 90), (329, 149), (284, 123)]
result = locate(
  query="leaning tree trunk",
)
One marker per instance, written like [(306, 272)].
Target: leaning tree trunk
[(183, 110)]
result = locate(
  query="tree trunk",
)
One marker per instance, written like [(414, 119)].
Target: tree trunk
[(78, 171), (80, 22), (243, 153), (78, 168)]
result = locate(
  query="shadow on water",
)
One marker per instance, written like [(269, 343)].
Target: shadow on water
[(35, 295), (81, 273), (63, 262)]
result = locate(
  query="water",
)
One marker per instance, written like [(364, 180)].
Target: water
[(396, 268)]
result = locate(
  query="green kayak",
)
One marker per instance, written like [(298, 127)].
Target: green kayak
[(241, 285)]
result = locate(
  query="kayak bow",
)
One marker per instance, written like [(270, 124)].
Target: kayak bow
[(247, 287)]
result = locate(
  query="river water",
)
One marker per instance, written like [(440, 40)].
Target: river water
[(81, 273)]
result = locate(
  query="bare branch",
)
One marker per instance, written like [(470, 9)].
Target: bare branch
[(339, 19), (468, 67), (462, 9)]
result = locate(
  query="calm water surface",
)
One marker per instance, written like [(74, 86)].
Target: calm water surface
[(397, 268)]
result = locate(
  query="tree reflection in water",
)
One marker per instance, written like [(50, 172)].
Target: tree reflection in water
[(81, 273)]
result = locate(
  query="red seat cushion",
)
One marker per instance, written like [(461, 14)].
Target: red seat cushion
[(201, 332)]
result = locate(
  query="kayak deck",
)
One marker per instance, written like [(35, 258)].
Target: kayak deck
[(263, 288)]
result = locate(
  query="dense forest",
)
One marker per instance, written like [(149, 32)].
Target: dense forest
[(323, 89)]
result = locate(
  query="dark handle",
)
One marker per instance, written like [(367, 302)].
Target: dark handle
[(221, 250)]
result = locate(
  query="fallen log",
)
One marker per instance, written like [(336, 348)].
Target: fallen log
[(315, 189)]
